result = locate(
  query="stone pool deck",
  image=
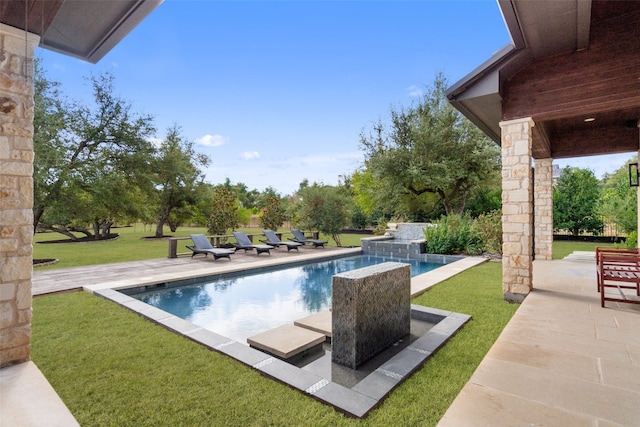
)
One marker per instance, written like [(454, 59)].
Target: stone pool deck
[(561, 360), (28, 399)]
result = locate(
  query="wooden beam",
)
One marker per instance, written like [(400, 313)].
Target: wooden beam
[(589, 142), (541, 143)]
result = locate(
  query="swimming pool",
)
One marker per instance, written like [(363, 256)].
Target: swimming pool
[(239, 306)]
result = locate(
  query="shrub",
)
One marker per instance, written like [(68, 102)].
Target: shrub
[(224, 214), (453, 234), (489, 228), (272, 215), (632, 240)]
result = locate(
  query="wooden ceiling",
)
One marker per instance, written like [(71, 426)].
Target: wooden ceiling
[(34, 16), (569, 60), (600, 84)]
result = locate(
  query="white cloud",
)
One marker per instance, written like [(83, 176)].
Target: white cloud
[(211, 140), (414, 91), (249, 155), (156, 141)]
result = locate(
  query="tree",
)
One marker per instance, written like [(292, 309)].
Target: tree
[(619, 202), (429, 149), (176, 173), (91, 157), (575, 201), (224, 214), (323, 208), (272, 215), (248, 199)]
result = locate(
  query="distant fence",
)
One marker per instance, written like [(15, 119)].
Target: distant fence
[(610, 233)]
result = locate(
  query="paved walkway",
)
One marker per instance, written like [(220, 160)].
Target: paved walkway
[(126, 274), (561, 361)]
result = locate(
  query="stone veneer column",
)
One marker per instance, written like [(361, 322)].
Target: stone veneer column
[(543, 208), (517, 209), (16, 192), (638, 210)]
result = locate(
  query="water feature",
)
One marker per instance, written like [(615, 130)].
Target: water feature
[(352, 391), (239, 306)]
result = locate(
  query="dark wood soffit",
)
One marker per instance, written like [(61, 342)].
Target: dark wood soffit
[(611, 132), (541, 148), (40, 14), (589, 142), (606, 77)]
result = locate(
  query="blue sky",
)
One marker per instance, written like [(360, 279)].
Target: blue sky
[(279, 91)]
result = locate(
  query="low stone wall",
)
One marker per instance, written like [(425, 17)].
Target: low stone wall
[(408, 230), (403, 250), (371, 310)]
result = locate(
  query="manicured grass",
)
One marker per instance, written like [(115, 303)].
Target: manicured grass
[(130, 246), (562, 248), (112, 367)]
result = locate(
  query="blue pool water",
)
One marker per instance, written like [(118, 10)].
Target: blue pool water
[(238, 307)]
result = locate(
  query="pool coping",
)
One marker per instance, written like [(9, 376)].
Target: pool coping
[(356, 401)]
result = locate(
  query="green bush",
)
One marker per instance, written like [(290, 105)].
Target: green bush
[(489, 227), (453, 234), (632, 240)]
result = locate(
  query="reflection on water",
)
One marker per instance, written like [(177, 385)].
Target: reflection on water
[(241, 307)]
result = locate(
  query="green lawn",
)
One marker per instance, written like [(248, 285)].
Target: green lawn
[(130, 246), (562, 248), (112, 367)]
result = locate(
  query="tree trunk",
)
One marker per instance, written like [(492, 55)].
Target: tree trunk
[(106, 228), (64, 231), (159, 226), (96, 229), (162, 220), (37, 214)]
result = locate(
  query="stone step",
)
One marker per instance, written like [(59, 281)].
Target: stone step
[(286, 341), (318, 322)]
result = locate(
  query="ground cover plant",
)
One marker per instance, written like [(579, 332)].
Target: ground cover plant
[(112, 367)]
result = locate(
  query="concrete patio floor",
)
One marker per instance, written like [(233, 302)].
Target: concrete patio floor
[(562, 359)]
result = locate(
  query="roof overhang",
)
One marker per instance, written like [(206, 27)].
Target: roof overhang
[(85, 29), (537, 30)]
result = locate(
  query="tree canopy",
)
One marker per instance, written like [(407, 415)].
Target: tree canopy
[(619, 202), (575, 201), (175, 177), (89, 159), (323, 208), (428, 149)]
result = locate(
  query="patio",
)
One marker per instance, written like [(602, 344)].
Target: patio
[(562, 359)]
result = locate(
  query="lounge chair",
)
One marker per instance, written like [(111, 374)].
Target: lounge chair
[(245, 243), (298, 236), (201, 245), (273, 240)]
